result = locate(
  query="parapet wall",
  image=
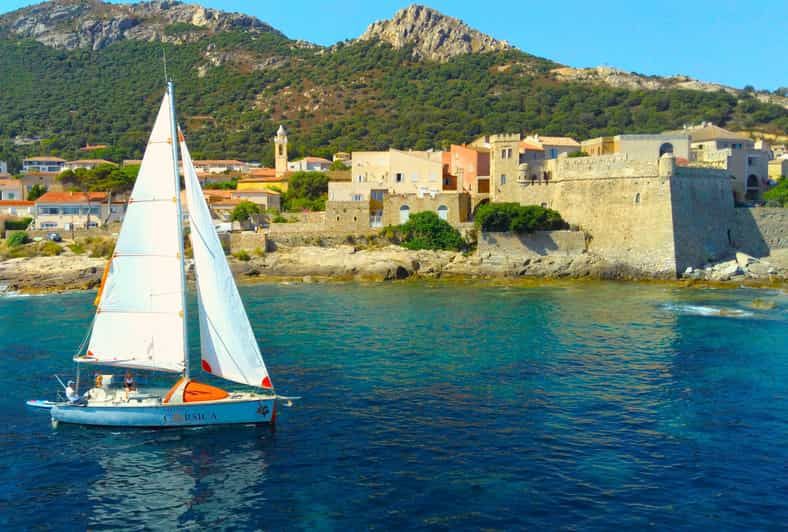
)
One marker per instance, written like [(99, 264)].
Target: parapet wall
[(538, 243)]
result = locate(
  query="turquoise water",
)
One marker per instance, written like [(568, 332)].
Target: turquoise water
[(433, 406)]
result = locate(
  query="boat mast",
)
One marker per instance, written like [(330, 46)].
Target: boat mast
[(176, 176)]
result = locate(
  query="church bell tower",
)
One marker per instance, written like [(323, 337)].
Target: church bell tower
[(280, 153)]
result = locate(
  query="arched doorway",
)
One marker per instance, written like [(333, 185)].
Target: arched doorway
[(753, 188), (666, 147), (404, 214), (443, 212)]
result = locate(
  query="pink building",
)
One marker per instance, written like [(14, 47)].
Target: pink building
[(469, 168)]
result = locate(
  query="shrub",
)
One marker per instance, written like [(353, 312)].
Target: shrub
[(279, 219), (76, 248), (99, 247), (17, 239), (500, 217), (242, 255), (578, 153), (425, 230), (777, 194), (18, 225), (49, 249)]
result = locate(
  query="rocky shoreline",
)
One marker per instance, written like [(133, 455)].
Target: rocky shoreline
[(37, 275)]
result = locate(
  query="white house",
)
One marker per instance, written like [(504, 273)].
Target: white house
[(43, 164), (309, 164)]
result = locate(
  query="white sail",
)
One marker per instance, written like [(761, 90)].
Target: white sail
[(140, 320), (229, 347)]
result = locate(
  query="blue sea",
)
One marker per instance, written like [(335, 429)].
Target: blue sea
[(432, 406)]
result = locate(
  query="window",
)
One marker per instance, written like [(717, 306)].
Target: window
[(10, 195), (48, 210), (92, 225), (48, 225), (443, 212), (399, 177), (503, 179), (358, 197), (404, 214), (360, 179), (637, 198), (506, 153), (553, 153), (377, 195)]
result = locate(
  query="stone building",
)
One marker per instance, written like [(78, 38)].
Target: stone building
[(650, 215), (717, 147), (640, 147), (778, 168), (467, 168)]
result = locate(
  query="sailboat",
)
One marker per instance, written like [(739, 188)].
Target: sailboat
[(141, 321)]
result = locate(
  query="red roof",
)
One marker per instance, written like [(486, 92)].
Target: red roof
[(233, 162), (525, 145), (262, 172), (10, 183), (71, 197), (91, 161), (16, 203)]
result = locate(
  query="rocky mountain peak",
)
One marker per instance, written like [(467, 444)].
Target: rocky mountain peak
[(433, 35), (95, 24)]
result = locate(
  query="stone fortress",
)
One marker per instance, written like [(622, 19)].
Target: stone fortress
[(657, 204)]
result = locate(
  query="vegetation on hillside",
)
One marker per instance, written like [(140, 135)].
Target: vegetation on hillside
[(357, 96), (104, 178), (501, 217)]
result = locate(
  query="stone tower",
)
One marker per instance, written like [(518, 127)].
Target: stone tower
[(280, 151)]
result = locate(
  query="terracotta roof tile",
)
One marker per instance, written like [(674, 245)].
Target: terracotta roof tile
[(71, 197), (16, 203)]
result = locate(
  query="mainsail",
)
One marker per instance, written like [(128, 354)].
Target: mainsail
[(140, 317), (229, 347)]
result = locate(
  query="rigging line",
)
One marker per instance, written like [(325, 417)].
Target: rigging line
[(87, 335), (196, 229)]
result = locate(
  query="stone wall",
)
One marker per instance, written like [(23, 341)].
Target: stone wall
[(757, 231), (702, 207), (347, 216), (458, 205), (538, 243), (246, 240), (649, 215)]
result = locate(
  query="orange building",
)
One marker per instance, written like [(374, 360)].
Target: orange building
[(468, 168)]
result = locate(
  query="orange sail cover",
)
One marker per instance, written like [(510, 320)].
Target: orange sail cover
[(195, 392)]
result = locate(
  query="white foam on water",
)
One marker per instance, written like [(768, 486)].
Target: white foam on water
[(703, 310)]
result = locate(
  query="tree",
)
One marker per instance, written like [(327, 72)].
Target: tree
[(306, 191), (244, 211), (36, 191), (778, 193), (338, 165)]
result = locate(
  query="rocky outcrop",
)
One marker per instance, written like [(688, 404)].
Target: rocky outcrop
[(392, 262), (744, 267), (434, 36), (95, 24), (631, 81), (50, 274)]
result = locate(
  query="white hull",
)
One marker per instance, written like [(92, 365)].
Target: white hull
[(247, 410)]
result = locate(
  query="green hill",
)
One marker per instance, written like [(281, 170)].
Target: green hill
[(234, 86)]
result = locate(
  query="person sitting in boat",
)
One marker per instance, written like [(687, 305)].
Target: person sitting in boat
[(128, 384), (71, 393), (98, 380)]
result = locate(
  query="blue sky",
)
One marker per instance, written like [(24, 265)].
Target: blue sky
[(735, 42)]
